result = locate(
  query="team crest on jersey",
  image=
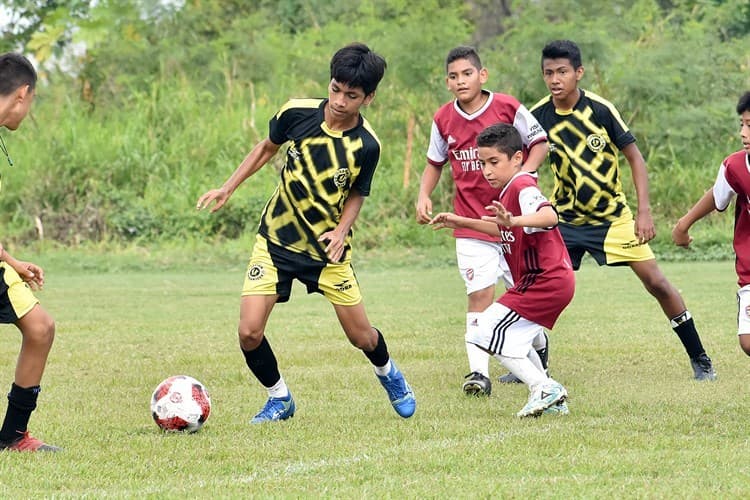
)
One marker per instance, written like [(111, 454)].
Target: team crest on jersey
[(596, 142), (341, 178), (255, 272)]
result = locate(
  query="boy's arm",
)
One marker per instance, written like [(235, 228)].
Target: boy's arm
[(702, 207), (336, 237), (255, 159), (644, 223), (447, 220), (430, 179), (545, 217), (536, 157)]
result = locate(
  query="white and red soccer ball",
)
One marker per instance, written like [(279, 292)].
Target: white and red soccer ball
[(180, 403)]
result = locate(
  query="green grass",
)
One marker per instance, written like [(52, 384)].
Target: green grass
[(639, 426)]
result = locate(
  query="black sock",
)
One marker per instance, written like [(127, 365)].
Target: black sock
[(21, 402), (262, 362), (684, 327), (378, 356)]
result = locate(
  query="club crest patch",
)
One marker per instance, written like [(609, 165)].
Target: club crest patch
[(747, 311), (341, 178), (470, 274), (596, 142), (255, 272)]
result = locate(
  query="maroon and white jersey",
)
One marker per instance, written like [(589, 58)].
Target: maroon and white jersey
[(734, 181), (453, 138), (538, 259)]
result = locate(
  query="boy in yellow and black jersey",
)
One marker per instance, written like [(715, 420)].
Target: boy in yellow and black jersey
[(322, 166), (586, 134), (305, 229)]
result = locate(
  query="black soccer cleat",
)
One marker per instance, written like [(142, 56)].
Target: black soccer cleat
[(477, 385), (703, 368)]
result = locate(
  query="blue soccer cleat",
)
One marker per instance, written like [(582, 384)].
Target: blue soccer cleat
[(275, 410), (399, 392)]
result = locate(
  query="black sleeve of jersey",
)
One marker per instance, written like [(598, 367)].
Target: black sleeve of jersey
[(280, 124), (370, 157)]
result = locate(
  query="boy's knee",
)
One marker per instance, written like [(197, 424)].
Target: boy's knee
[(41, 332), (745, 343), (250, 337)]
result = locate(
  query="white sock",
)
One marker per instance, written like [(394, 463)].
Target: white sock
[(525, 370), (383, 370), (479, 360), (279, 389)]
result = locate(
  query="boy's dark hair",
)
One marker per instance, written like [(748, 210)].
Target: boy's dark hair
[(744, 103), (358, 66), (464, 52), (563, 49), (15, 71), (501, 136)]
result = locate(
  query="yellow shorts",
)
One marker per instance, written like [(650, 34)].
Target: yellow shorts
[(272, 269), (16, 297), (613, 244)]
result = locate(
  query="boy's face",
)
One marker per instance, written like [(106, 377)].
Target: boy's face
[(344, 101), (745, 130), (497, 167), (19, 106), (464, 80), (561, 78)]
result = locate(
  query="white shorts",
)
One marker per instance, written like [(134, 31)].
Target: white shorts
[(743, 313), (481, 264), (503, 331)]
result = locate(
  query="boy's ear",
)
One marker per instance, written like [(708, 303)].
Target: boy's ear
[(579, 73), (368, 98), (484, 75), (517, 158)]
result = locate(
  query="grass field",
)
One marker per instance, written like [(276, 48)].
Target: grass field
[(639, 426)]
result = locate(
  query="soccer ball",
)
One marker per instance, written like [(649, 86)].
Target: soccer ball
[(180, 403)]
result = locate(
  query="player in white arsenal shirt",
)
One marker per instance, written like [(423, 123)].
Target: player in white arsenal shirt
[(544, 283), (732, 182), (453, 141)]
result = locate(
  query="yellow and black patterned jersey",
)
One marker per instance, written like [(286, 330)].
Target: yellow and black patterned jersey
[(583, 149), (322, 167)]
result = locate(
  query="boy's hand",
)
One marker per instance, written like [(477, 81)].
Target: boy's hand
[(443, 220), (424, 210), (500, 214), (32, 274), (334, 245), (219, 196), (644, 227), (680, 236)]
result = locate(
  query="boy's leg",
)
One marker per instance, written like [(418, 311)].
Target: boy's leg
[(481, 266), (38, 332), (538, 354), (680, 318), (509, 337), (743, 318), (260, 359), (367, 338)]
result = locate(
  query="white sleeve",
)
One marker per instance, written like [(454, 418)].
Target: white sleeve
[(531, 199), (528, 126), (723, 192), (438, 150)]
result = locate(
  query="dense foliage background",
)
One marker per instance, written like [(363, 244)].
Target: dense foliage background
[(144, 105)]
